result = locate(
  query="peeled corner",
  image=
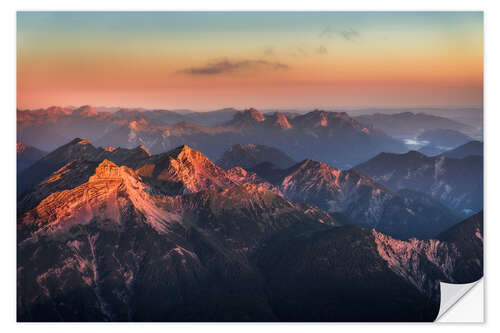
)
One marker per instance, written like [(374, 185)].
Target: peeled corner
[(460, 304)]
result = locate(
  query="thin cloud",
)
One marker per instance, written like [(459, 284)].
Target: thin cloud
[(327, 32), (322, 50), (347, 34), (269, 51), (299, 52), (229, 66)]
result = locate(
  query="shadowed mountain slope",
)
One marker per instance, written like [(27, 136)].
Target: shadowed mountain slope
[(472, 148), (457, 183), (249, 156), (27, 155)]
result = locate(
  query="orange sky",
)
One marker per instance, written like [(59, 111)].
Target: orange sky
[(265, 60)]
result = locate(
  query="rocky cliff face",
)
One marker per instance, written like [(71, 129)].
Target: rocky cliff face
[(451, 257), (108, 192), (186, 170)]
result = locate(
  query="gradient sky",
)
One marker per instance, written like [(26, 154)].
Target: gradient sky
[(209, 60)]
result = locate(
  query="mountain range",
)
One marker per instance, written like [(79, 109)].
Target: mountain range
[(317, 134), (411, 124), (51, 127), (320, 135), (109, 234), (402, 214), (455, 182)]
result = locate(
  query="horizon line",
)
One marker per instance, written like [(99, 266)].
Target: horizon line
[(284, 108)]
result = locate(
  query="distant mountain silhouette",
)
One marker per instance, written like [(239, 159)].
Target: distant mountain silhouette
[(472, 148), (445, 138), (410, 124)]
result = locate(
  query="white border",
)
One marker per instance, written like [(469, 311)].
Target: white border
[(8, 105)]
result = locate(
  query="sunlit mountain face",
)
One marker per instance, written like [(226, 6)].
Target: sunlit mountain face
[(247, 166)]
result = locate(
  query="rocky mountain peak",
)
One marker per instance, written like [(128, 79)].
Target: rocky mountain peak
[(310, 173), (83, 142), (85, 110), (255, 114), (137, 124), (143, 147), (248, 117), (76, 141), (57, 110), (185, 152), (106, 170), (415, 154), (319, 114), (187, 167), (313, 119), (312, 164), (20, 147), (280, 120)]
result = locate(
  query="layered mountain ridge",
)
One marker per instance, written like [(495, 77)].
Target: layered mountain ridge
[(321, 135)]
